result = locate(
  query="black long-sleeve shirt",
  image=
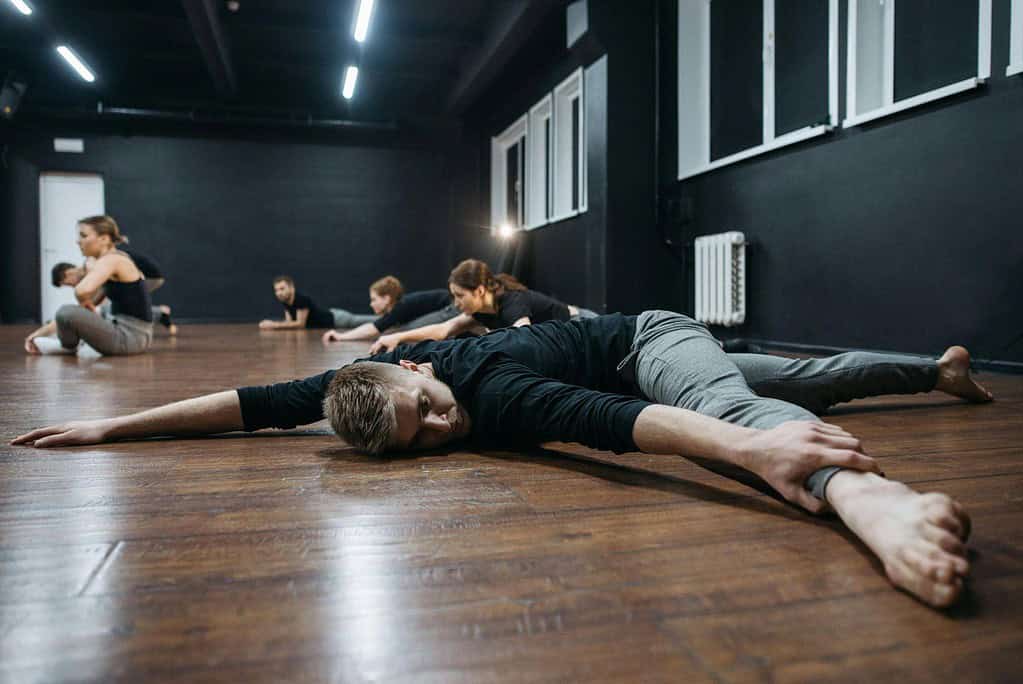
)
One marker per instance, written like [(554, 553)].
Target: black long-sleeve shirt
[(551, 381)]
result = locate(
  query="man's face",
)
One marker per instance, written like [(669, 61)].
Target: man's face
[(283, 291), (72, 277), (426, 410), (380, 304)]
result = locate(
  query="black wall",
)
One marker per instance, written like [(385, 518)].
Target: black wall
[(902, 234), (223, 216)]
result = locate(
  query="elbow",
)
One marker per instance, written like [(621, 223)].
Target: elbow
[(83, 295)]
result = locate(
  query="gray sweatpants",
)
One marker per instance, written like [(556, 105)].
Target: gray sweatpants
[(676, 361), (116, 335), (346, 319)]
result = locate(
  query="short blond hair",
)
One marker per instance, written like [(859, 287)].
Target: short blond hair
[(359, 406)]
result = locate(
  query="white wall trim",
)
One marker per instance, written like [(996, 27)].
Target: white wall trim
[(781, 141), (498, 146), (911, 102), (854, 118), (694, 88), (1015, 40), (984, 40)]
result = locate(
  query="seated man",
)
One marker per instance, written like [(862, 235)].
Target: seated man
[(301, 312), (656, 383), (397, 309)]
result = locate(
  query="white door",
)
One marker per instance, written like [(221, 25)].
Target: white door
[(64, 198)]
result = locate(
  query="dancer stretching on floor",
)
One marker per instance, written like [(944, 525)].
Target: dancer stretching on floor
[(656, 383), (487, 301), (396, 309), (129, 329), (300, 311)]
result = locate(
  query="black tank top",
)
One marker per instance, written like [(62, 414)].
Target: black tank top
[(129, 299)]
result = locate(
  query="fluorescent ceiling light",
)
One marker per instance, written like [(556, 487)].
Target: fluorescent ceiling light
[(362, 19), (76, 63), (351, 75), (22, 7)]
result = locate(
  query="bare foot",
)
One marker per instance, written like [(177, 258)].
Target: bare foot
[(954, 376), (918, 537)]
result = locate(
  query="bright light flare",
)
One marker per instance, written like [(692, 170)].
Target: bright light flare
[(505, 231), (76, 64), (351, 76), (362, 19), (22, 7)]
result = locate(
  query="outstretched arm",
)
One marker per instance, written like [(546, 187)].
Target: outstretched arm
[(784, 456), (205, 415), (366, 331), (437, 331)]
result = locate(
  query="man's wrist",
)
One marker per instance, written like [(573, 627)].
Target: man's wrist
[(740, 451)]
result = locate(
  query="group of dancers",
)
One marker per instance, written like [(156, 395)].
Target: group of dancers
[(656, 382)]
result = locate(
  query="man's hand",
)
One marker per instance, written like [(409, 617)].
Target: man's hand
[(267, 324), (786, 455), (331, 336), (384, 343), (66, 434)]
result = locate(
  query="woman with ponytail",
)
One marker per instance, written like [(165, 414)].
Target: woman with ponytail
[(129, 330), (487, 301)]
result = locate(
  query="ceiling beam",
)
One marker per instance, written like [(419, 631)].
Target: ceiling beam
[(202, 15), (511, 28)]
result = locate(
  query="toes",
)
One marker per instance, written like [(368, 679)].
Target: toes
[(936, 582)]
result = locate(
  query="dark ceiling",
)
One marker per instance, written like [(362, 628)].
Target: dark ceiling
[(422, 63)]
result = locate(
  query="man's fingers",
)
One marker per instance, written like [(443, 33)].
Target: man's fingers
[(808, 501), (36, 434), (847, 441), (847, 458), (59, 439)]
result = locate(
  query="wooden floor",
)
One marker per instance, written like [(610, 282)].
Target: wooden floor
[(282, 557)]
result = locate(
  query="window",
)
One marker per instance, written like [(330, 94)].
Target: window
[(539, 194), (903, 53), (569, 148), (753, 76), (1016, 40), (538, 164), (508, 176)]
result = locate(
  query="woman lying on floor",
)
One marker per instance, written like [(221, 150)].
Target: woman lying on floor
[(396, 309), (487, 300), (129, 330)]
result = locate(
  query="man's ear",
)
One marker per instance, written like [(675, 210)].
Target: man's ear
[(409, 365)]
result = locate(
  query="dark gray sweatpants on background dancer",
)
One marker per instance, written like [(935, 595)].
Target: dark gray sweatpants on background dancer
[(676, 361)]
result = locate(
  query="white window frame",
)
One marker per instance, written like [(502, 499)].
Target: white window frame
[(499, 145), (889, 106), (694, 90), (540, 177), (564, 94), (1016, 40)]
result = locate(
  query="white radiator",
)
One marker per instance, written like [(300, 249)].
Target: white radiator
[(721, 278)]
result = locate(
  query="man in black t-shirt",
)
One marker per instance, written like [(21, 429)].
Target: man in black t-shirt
[(656, 383), (300, 311)]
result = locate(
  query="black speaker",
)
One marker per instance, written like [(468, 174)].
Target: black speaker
[(10, 96)]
